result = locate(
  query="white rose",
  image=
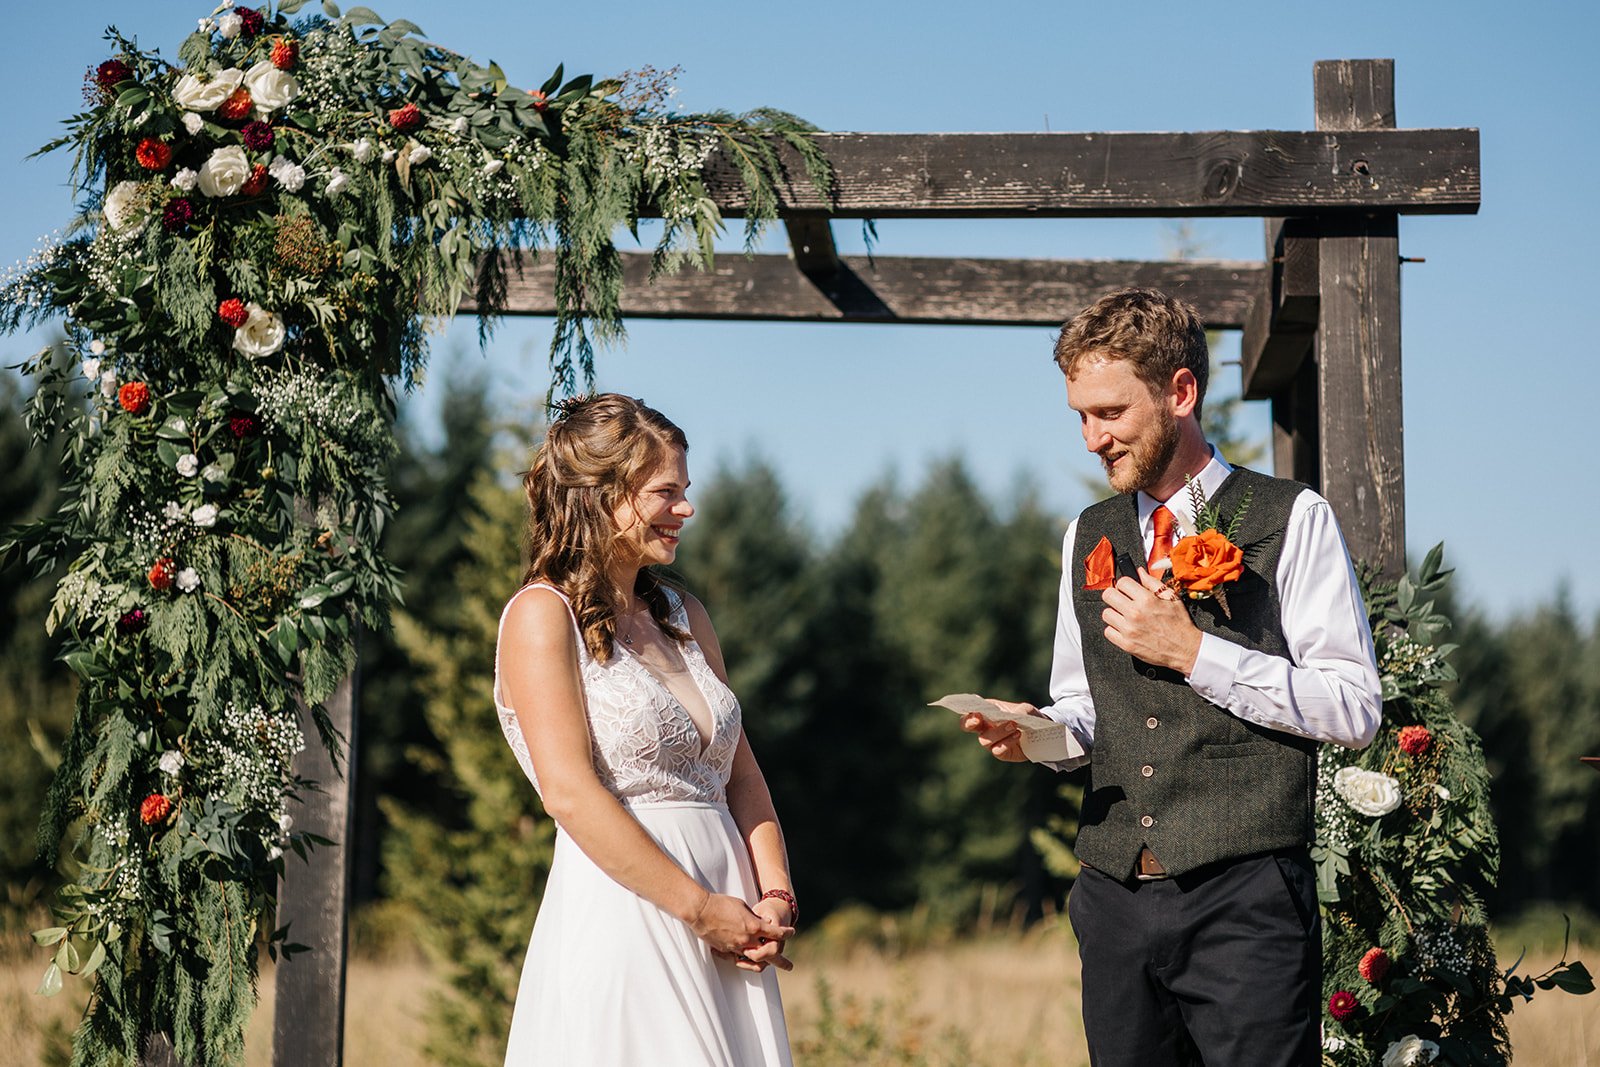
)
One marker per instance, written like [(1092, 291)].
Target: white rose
[(337, 181), (261, 335), (285, 822), (171, 761), (205, 515), (274, 852), (193, 94), (225, 172), (493, 167), (188, 464), (108, 383), (187, 580), (186, 179), (193, 122), (97, 347), (418, 153), (229, 25), (1410, 1050), (362, 150), (122, 207), (292, 176), (459, 126), (1368, 792), (91, 369), (270, 88), (213, 472)]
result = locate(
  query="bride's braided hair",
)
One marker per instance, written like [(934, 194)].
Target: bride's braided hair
[(596, 454)]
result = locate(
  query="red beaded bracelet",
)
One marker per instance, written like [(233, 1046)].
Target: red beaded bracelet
[(788, 898)]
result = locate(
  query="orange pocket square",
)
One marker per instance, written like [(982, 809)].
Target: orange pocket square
[(1099, 570)]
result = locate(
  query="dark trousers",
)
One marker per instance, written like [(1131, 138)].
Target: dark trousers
[(1220, 967)]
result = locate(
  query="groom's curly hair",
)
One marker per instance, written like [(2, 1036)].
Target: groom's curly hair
[(1158, 334), (597, 453)]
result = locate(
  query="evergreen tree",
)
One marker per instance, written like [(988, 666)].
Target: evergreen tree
[(36, 694), (470, 856), (432, 486)]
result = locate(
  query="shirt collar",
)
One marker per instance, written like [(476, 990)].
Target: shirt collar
[(1210, 478)]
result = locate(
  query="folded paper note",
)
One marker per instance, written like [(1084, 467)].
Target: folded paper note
[(1043, 740)]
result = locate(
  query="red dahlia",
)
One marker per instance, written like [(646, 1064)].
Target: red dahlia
[(155, 808), (242, 425), (406, 118), (1374, 965), (134, 398), (256, 184), (1342, 1005), (258, 136), (250, 20), (284, 53), (161, 573), (233, 312), (178, 213), (153, 154), (237, 106), (1415, 740), (539, 102), (112, 73)]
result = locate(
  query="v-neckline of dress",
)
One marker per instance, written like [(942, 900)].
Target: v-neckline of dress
[(709, 738)]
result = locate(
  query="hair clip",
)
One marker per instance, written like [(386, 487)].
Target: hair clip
[(566, 407)]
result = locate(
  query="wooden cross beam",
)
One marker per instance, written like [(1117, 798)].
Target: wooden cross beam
[(899, 289), (1062, 175)]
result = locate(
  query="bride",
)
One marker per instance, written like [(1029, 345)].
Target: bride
[(669, 899)]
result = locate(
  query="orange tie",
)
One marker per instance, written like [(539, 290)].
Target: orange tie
[(1162, 521)]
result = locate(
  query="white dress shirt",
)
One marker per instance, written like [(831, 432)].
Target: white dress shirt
[(1327, 691)]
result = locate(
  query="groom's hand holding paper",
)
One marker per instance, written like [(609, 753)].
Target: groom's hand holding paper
[(1013, 732)]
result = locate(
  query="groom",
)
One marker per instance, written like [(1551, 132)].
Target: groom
[(1196, 912)]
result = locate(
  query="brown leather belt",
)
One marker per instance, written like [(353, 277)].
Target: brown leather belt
[(1149, 868)]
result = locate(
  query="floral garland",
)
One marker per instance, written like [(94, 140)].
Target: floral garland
[(1406, 851), (266, 224)]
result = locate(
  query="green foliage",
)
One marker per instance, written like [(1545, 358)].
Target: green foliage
[(850, 1032), (470, 857), (263, 231), (1407, 852)]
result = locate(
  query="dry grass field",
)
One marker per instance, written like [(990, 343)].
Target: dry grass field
[(1003, 1000)]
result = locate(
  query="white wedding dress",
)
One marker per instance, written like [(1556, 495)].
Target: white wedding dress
[(611, 980)]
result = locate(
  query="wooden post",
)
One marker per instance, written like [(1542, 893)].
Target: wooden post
[(308, 1019), (1358, 342)]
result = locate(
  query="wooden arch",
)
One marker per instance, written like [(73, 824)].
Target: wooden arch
[(1320, 315)]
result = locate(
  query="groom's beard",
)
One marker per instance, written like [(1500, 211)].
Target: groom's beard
[(1148, 458)]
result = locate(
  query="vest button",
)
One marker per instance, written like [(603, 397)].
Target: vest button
[(1147, 822), (1147, 770), (1152, 722)]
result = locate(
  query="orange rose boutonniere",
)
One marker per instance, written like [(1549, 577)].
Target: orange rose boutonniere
[(1203, 563)]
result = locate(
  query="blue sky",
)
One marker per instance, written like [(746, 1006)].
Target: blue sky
[(1496, 350)]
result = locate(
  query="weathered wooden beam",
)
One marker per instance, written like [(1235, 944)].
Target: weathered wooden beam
[(811, 243), (1010, 175), (1283, 320), (1295, 452), (1358, 347), (313, 899), (902, 289)]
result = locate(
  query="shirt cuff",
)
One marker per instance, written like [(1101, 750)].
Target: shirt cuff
[(1215, 669)]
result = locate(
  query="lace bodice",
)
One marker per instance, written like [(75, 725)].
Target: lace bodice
[(644, 744)]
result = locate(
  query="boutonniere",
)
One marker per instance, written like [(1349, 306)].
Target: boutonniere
[(1206, 561)]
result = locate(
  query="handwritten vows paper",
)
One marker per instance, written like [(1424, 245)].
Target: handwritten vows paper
[(1043, 740)]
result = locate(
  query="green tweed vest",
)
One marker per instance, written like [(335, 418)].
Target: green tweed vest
[(1169, 769)]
